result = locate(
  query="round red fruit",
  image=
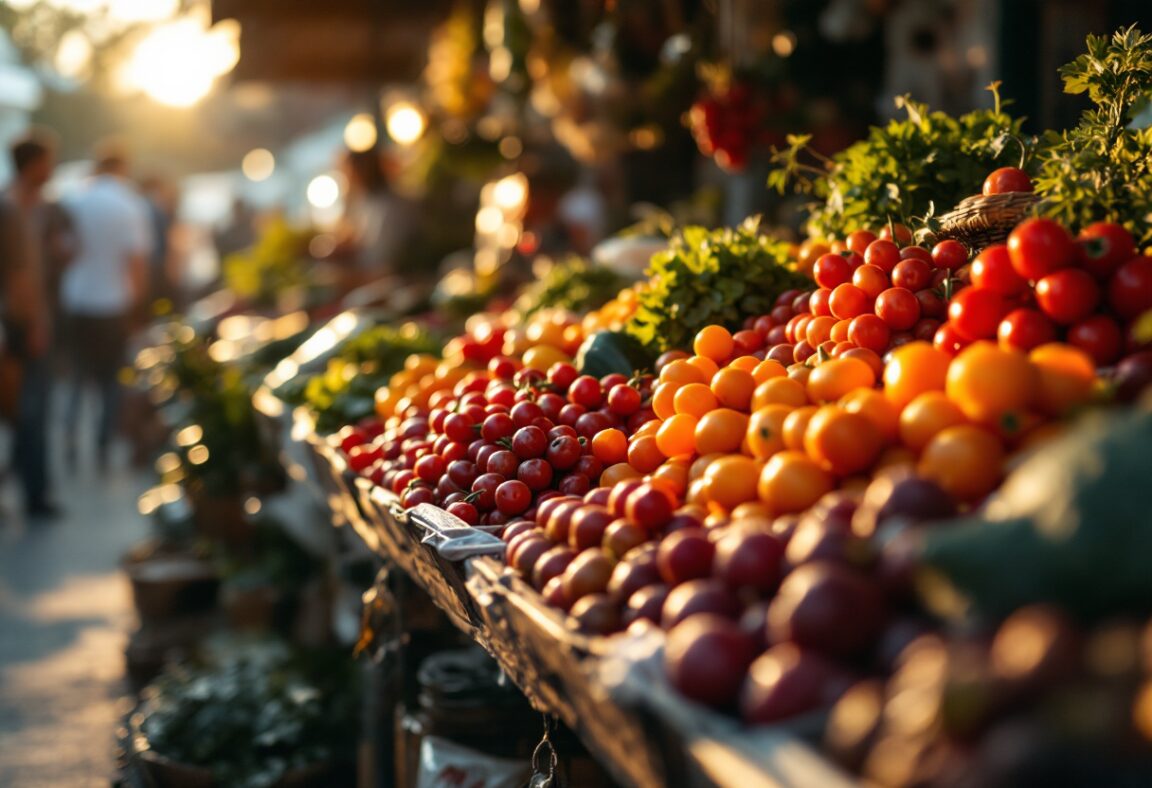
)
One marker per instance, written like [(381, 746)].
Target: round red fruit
[(882, 254), (1068, 296), (1040, 246), (1130, 290), (992, 270), (649, 506), (831, 270), (1099, 337), (912, 274), (1104, 247), (975, 313), (1024, 329), (898, 307), (949, 255), (1005, 180)]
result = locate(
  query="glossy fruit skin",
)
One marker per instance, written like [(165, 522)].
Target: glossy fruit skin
[(791, 481), (649, 507), (685, 555), (912, 274), (1099, 337), (913, 369), (949, 255), (1106, 246), (787, 681), (831, 270), (992, 270), (596, 614), (1040, 246), (749, 559), (588, 573), (1005, 180), (991, 385), (828, 607), (975, 313), (869, 331), (843, 443), (1130, 289), (882, 254), (847, 301), (1068, 296), (965, 460), (1066, 378), (1024, 329), (898, 307), (513, 497), (706, 658), (698, 597)]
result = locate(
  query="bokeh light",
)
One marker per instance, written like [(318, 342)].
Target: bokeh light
[(258, 165), (405, 122), (360, 133), (323, 191)]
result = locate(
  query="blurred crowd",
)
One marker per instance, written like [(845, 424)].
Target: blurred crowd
[(76, 277)]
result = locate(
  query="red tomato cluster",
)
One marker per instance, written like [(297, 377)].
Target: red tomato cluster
[(503, 440), (872, 296), (1044, 285)]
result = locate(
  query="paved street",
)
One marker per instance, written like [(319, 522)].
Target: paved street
[(65, 611)]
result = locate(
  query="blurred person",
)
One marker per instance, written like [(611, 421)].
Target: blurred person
[(104, 284), (240, 231), (33, 253), (376, 221), (160, 197)]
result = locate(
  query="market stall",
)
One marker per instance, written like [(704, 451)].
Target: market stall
[(857, 508)]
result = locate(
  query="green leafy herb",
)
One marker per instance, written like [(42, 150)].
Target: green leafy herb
[(711, 276), (909, 168), (1102, 168), (574, 284)]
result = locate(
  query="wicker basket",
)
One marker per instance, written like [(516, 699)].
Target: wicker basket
[(981, 221)]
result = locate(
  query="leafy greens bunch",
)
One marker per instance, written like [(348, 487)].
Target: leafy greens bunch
[(915, 167), (711, 276), (1102, 168)]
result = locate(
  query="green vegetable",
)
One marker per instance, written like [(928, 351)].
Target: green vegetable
[(276, 263), (344, 393), (711, 276), (574, 284), (907, 169), (606, 352), (1071, 526), (1102, 168)]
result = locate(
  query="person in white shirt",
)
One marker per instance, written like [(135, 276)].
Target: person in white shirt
[(103, 284)]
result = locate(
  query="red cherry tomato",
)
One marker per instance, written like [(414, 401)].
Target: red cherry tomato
[(1099, 337), (1040, 246), (1025, 329), (931, 304), (898, 307), (1068, 295), (884, 254), (896, 232), (831, 270), (847, 301), (869, 331), (916, 252), (992, 270), (912, 274), (976, 313), (860, 240), (1104, 247), (818, 303), (949, 254), (1130, 290), (1005, 180), (872, 279), (948, 340)]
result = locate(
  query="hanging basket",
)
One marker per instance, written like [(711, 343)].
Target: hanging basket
[(980, 221)]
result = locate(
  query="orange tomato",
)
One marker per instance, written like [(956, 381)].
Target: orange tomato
[(965, 460), (926, 416), (836, 377), (877, 408), (1067, 377), (673, 476), (614, 474), (795, 425), (707, 366), (765, 435), (843, 443), (676, 435), (697, 492), (680, 371), (819, 330), (754, 511), (779, 391), (767, 369), (744, 363), (868, 356), (791, 482), (700, 464), (800, 372), (734, 387), (664, 398), (839, 332), (732, 480), (722, 430), (644, 454), (714, 342), (913, 369), (993, 386), (695, 399), (610, 446)]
